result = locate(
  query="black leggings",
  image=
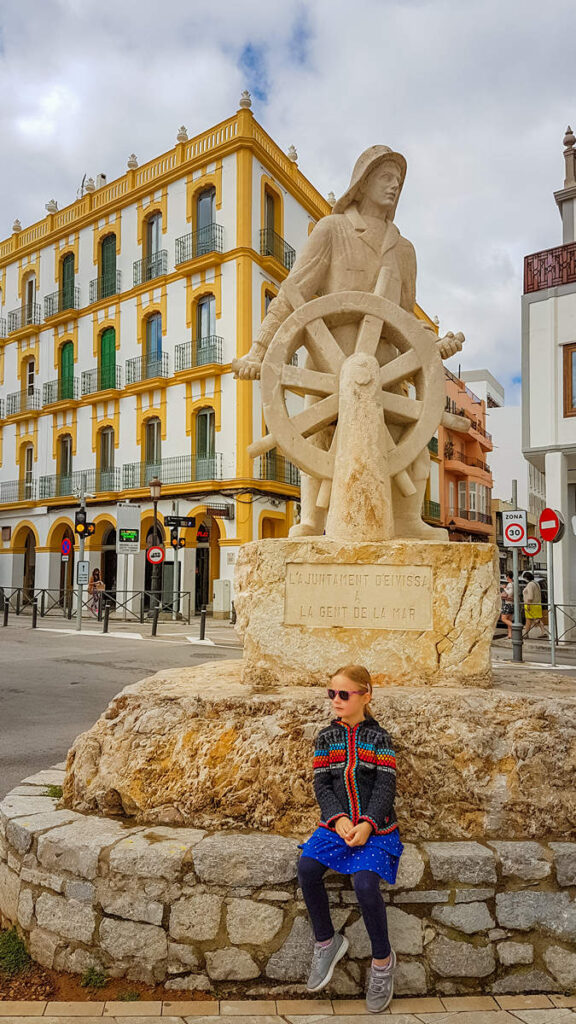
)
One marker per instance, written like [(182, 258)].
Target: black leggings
[(367, 888)]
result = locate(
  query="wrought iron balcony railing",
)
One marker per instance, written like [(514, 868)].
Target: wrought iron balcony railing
[(63, 485), (272, 244), (17, 490), (198, 243), (144, 368), (198, 353), (473, 516), (431, 510), (102, 378), (58, 302), (151, 267), (182, 469), (2, 408), (550, 268), (27, 400), (273, 466), (2, 327), (457, 456), (61, 390), (105, 286), (25, 316)]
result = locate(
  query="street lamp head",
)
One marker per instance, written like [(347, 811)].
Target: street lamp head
[(155, 489)]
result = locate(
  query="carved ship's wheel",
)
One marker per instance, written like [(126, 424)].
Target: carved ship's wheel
[(311, 325)]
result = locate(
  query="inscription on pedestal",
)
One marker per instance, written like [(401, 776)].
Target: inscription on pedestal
[(358, 596)]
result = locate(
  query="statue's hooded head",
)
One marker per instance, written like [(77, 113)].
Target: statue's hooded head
[(365, 164)]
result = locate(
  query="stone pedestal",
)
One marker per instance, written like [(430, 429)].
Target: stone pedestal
[(415, 613)]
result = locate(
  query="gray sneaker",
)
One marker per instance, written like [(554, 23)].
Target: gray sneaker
[(324, 961), (381, 987)]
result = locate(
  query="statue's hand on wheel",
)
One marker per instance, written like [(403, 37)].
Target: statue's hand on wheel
[(450, 344), (247, 368)]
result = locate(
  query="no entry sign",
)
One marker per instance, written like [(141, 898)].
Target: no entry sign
[(532, 547), (551, 525), (155, 555), (514, 528)]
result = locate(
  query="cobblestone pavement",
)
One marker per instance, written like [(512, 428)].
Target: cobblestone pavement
[(535, 1009)]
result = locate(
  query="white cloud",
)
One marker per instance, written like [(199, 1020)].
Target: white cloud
[(476, 96)]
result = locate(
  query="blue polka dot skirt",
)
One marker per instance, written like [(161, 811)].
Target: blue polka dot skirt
[(380, 853)]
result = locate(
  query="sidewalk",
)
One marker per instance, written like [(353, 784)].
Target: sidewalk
[(537, 1009), (219, 632)]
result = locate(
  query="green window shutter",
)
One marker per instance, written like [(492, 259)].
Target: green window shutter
[(108, 359), (108, 266), (67, 281), (67, 370)]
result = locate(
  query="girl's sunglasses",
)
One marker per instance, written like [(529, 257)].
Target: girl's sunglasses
[(343, 694)]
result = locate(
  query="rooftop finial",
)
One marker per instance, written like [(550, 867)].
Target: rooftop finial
[(245, 100), (569, 158), (132, 162), (16, 227), (182, 134), (90, 185), (51, 206), (292, 154)]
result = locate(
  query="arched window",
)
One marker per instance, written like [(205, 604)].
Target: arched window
[(64, 480), (67, 282), (153, 448), (28, 472), (205, 216), (205, 445), (107, 367), (154, 263), (205, 318), (29, 376), (268, 298), (154, 345), (269, 210), (66, 378), (107, 267), (29, 299), (106, 454)]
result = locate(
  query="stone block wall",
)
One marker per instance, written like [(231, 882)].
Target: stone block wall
[(223, 911)]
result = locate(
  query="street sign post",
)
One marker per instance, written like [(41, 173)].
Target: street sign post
[(155, 555), (551, 525), (185, 522), (127, 530), (514, 528), (532, 547), (83, 573)]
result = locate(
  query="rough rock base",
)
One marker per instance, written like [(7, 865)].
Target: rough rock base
[(454, 651)]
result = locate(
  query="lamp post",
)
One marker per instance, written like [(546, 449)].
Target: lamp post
[(451, 527), (155, 492)]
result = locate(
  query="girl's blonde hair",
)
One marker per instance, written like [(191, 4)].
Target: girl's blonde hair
[(361, 677)]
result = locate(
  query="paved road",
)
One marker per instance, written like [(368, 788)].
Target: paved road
[(55, 685)]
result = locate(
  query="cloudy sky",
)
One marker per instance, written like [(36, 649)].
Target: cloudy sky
[(476, 95)]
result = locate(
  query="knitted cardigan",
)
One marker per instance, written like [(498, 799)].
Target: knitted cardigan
[(355, 775)]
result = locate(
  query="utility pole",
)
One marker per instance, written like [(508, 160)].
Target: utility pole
[(175, 580), (517, 624), (81, 556)]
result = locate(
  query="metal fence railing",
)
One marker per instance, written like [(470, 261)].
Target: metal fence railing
[(134, 605)]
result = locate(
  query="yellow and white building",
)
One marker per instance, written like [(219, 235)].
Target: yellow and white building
[(119, 318)]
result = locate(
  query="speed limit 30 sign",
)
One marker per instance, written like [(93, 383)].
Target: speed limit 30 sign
[(514, 528)]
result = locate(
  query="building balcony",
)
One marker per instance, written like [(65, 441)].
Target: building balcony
[(17, 490), (103, 378), (105, 286), (431, 510), (182, 469), (60, 301), (433, 445), (272, 244), (465, 460), (23, 401), (2, 408), (2, 327), (65, 389), (199, 243), (198, 353), (27, 315), (142, 368), (472, 516), (484, 436), (273, 466), (151, 266), (550, 268), (66, 485)]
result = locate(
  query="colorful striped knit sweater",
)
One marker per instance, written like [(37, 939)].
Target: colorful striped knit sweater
[(355, 775)]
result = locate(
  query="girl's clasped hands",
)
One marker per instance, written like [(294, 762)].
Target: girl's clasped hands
[(353, 835)]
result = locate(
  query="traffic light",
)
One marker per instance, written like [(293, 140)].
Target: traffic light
[(90, 529), (174, 537), (80, 522), (182, 542)]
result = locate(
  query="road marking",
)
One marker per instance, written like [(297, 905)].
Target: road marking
[(194, 640)]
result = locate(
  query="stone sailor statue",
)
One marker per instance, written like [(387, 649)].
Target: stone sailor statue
[(363, 451)]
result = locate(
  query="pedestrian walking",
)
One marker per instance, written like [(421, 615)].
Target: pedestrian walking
[(355, 786), (96, 588), (532, 598), (507, 592)]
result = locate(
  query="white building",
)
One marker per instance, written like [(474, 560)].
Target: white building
[(549, 372), (119, 317)]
